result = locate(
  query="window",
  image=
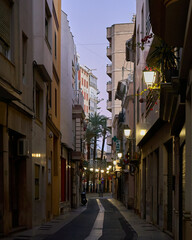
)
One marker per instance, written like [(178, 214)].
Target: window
[(55, 102), (49, 95), (55, 45), (38, 102), (47, 25), (37, 171), (5, 27), (24, 56)]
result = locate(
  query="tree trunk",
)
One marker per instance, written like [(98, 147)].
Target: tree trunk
[(88, 159), (94, 157)]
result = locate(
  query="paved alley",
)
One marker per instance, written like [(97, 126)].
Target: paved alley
[(103, 218)]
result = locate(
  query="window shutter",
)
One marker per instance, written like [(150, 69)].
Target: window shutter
[(5, 17)]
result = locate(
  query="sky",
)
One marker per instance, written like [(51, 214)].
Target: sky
[(88, 20)]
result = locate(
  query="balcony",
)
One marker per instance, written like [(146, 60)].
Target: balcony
[(109, 140), (109, 86), (109, 105), (109, 53), (109, 70), (109, 122), (109, 33), (78, 98), (168, 20)]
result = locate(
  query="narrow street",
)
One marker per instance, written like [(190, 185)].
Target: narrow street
[(102, 218)]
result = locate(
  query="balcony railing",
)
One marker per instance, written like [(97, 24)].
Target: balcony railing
[(109, 70), (148, 24), (109, 105), (109, 53), (109, 33), (109, 86), (109, 122), (109, 140), (78, 98)]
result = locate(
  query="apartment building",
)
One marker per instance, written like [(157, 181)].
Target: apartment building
[(16, 111), (178, 114), (163, 110), (72, 123), (93, 94), (68, 61), (118, 71), (83, 79), (53, 135)]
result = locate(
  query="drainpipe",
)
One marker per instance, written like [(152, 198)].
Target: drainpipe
[(180, 193)]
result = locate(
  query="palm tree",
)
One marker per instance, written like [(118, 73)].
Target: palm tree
[(95, 122), (88, 137), (104, 131)]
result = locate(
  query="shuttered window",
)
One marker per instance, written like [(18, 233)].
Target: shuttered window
[(5, 17)]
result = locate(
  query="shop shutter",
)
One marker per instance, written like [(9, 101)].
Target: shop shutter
[(5, 17)]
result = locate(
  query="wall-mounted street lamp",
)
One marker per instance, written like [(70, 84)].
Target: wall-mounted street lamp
[(119, 155), (127, 131), (114, 162), (143, 132), (149, 77)]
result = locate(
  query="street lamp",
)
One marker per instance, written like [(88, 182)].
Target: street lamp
[(143, 132), (149, 77), (127, 131), (114, 162), (119, 155)]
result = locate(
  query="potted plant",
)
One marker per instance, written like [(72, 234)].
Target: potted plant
[(164, 59)]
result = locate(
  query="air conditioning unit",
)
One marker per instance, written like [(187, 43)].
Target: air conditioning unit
[(23, 147)]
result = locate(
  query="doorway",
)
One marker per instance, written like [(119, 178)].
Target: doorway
[(169, 148), (1, 181), (17, 182)]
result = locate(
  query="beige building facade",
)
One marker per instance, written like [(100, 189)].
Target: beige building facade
[(163, 113), (120, 73)]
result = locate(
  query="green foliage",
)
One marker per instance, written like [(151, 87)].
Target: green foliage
[(163, 57), (96, 128)]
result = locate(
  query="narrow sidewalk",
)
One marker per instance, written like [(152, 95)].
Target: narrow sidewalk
[(48, 228), (144, 230)]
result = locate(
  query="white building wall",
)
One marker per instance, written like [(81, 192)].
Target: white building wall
[(67, 57)]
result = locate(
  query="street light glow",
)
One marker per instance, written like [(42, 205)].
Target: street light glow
[(142, 132), (114, 162)]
